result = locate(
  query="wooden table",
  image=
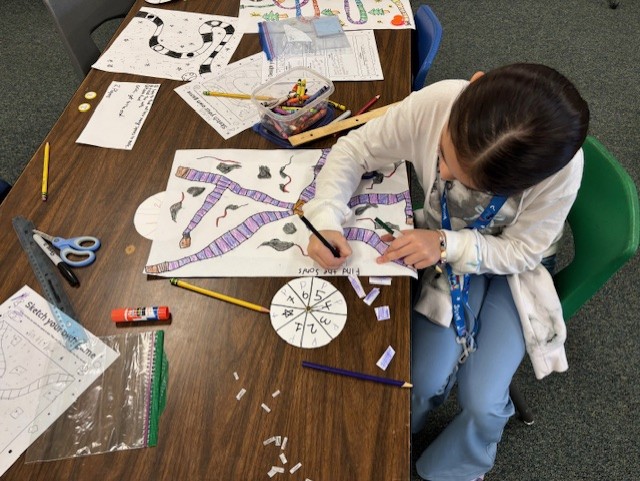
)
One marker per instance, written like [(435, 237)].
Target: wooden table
[(339, 428)]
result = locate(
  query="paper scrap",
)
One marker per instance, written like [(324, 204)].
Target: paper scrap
[(380, 280), (386, 358), (372, 296), (240, 394), (266, 408), (383, 313), (357, 285), (119, 116), (295, 468)]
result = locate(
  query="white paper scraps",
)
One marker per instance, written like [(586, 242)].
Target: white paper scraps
[(372, 296), (283, 458), (270, 440), (275, 393), (275, 470), (240, 394), (266, 408), (380, 280), (117, 120), (235, 376), (382, 313), (386, 358), (357, 285), (284, 442), (295, 468)]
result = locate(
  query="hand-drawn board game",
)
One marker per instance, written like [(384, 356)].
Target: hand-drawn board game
[(234, 213), (39, 377), (353, 14), (172, 44)]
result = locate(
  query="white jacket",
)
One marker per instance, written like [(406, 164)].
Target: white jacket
[(533, 224)]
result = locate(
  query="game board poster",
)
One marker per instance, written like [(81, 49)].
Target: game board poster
[(172, 44), (353, 14), (234, 213)]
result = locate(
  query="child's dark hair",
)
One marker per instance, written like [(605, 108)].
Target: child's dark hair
[(517, 125)]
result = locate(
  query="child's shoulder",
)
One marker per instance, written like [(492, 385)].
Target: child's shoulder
[(443, 92)]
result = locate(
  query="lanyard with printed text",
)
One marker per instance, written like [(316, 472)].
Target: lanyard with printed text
[(460, 295)]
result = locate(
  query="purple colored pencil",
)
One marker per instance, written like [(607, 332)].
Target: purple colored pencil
[(357, 375)]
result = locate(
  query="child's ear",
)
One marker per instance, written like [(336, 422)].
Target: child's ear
[(476, 76)]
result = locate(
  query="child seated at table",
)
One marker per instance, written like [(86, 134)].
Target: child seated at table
[(500, 162)]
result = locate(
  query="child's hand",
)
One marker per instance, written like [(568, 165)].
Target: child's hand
[(322, 255), (419, 248)]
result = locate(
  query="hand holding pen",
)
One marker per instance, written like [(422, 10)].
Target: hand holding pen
[(318, 251)]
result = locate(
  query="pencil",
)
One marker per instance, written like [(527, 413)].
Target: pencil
[(45, 173), (368, 105), (334, 251), (231, 95), (216, 295), (357, 375)]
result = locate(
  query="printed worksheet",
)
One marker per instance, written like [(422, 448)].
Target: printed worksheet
[(228, 116), (39, 376), (360, 62), (119, 116)]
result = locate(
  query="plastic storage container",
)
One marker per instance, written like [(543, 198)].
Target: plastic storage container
[(293, 101)]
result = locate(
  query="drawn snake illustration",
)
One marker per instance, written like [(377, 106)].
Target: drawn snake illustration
[(14, 393), (206, 32)]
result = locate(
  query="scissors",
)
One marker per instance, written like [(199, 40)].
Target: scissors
[(81, 246)]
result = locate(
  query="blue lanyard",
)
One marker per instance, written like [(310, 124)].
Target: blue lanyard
[(460, 296)]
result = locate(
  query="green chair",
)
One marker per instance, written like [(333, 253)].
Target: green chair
[(605, 224)]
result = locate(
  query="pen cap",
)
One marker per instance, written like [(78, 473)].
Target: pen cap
[(130, 314)]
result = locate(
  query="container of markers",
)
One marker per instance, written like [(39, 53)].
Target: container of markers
[(293, 101)]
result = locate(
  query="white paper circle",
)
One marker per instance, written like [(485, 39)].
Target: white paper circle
[(145, 219), (308, 312)]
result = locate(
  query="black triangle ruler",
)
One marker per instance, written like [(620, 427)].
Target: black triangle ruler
[(49, 280)]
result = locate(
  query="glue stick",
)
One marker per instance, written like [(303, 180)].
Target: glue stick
[(132, 314)]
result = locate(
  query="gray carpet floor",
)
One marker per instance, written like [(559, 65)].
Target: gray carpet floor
[(586, 426)]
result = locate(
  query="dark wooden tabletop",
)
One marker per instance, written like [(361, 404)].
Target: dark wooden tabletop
[(337, 427)]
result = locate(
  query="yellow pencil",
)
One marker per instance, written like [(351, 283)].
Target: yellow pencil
[(45, 173), (216, 295), (231, 95)]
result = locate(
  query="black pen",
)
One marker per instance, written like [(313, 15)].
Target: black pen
[(334, 251), (64, 269)]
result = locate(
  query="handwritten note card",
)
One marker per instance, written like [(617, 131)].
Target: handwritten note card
[(117, 120)]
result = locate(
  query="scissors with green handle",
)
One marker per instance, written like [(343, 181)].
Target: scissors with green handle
[(82, 247)]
